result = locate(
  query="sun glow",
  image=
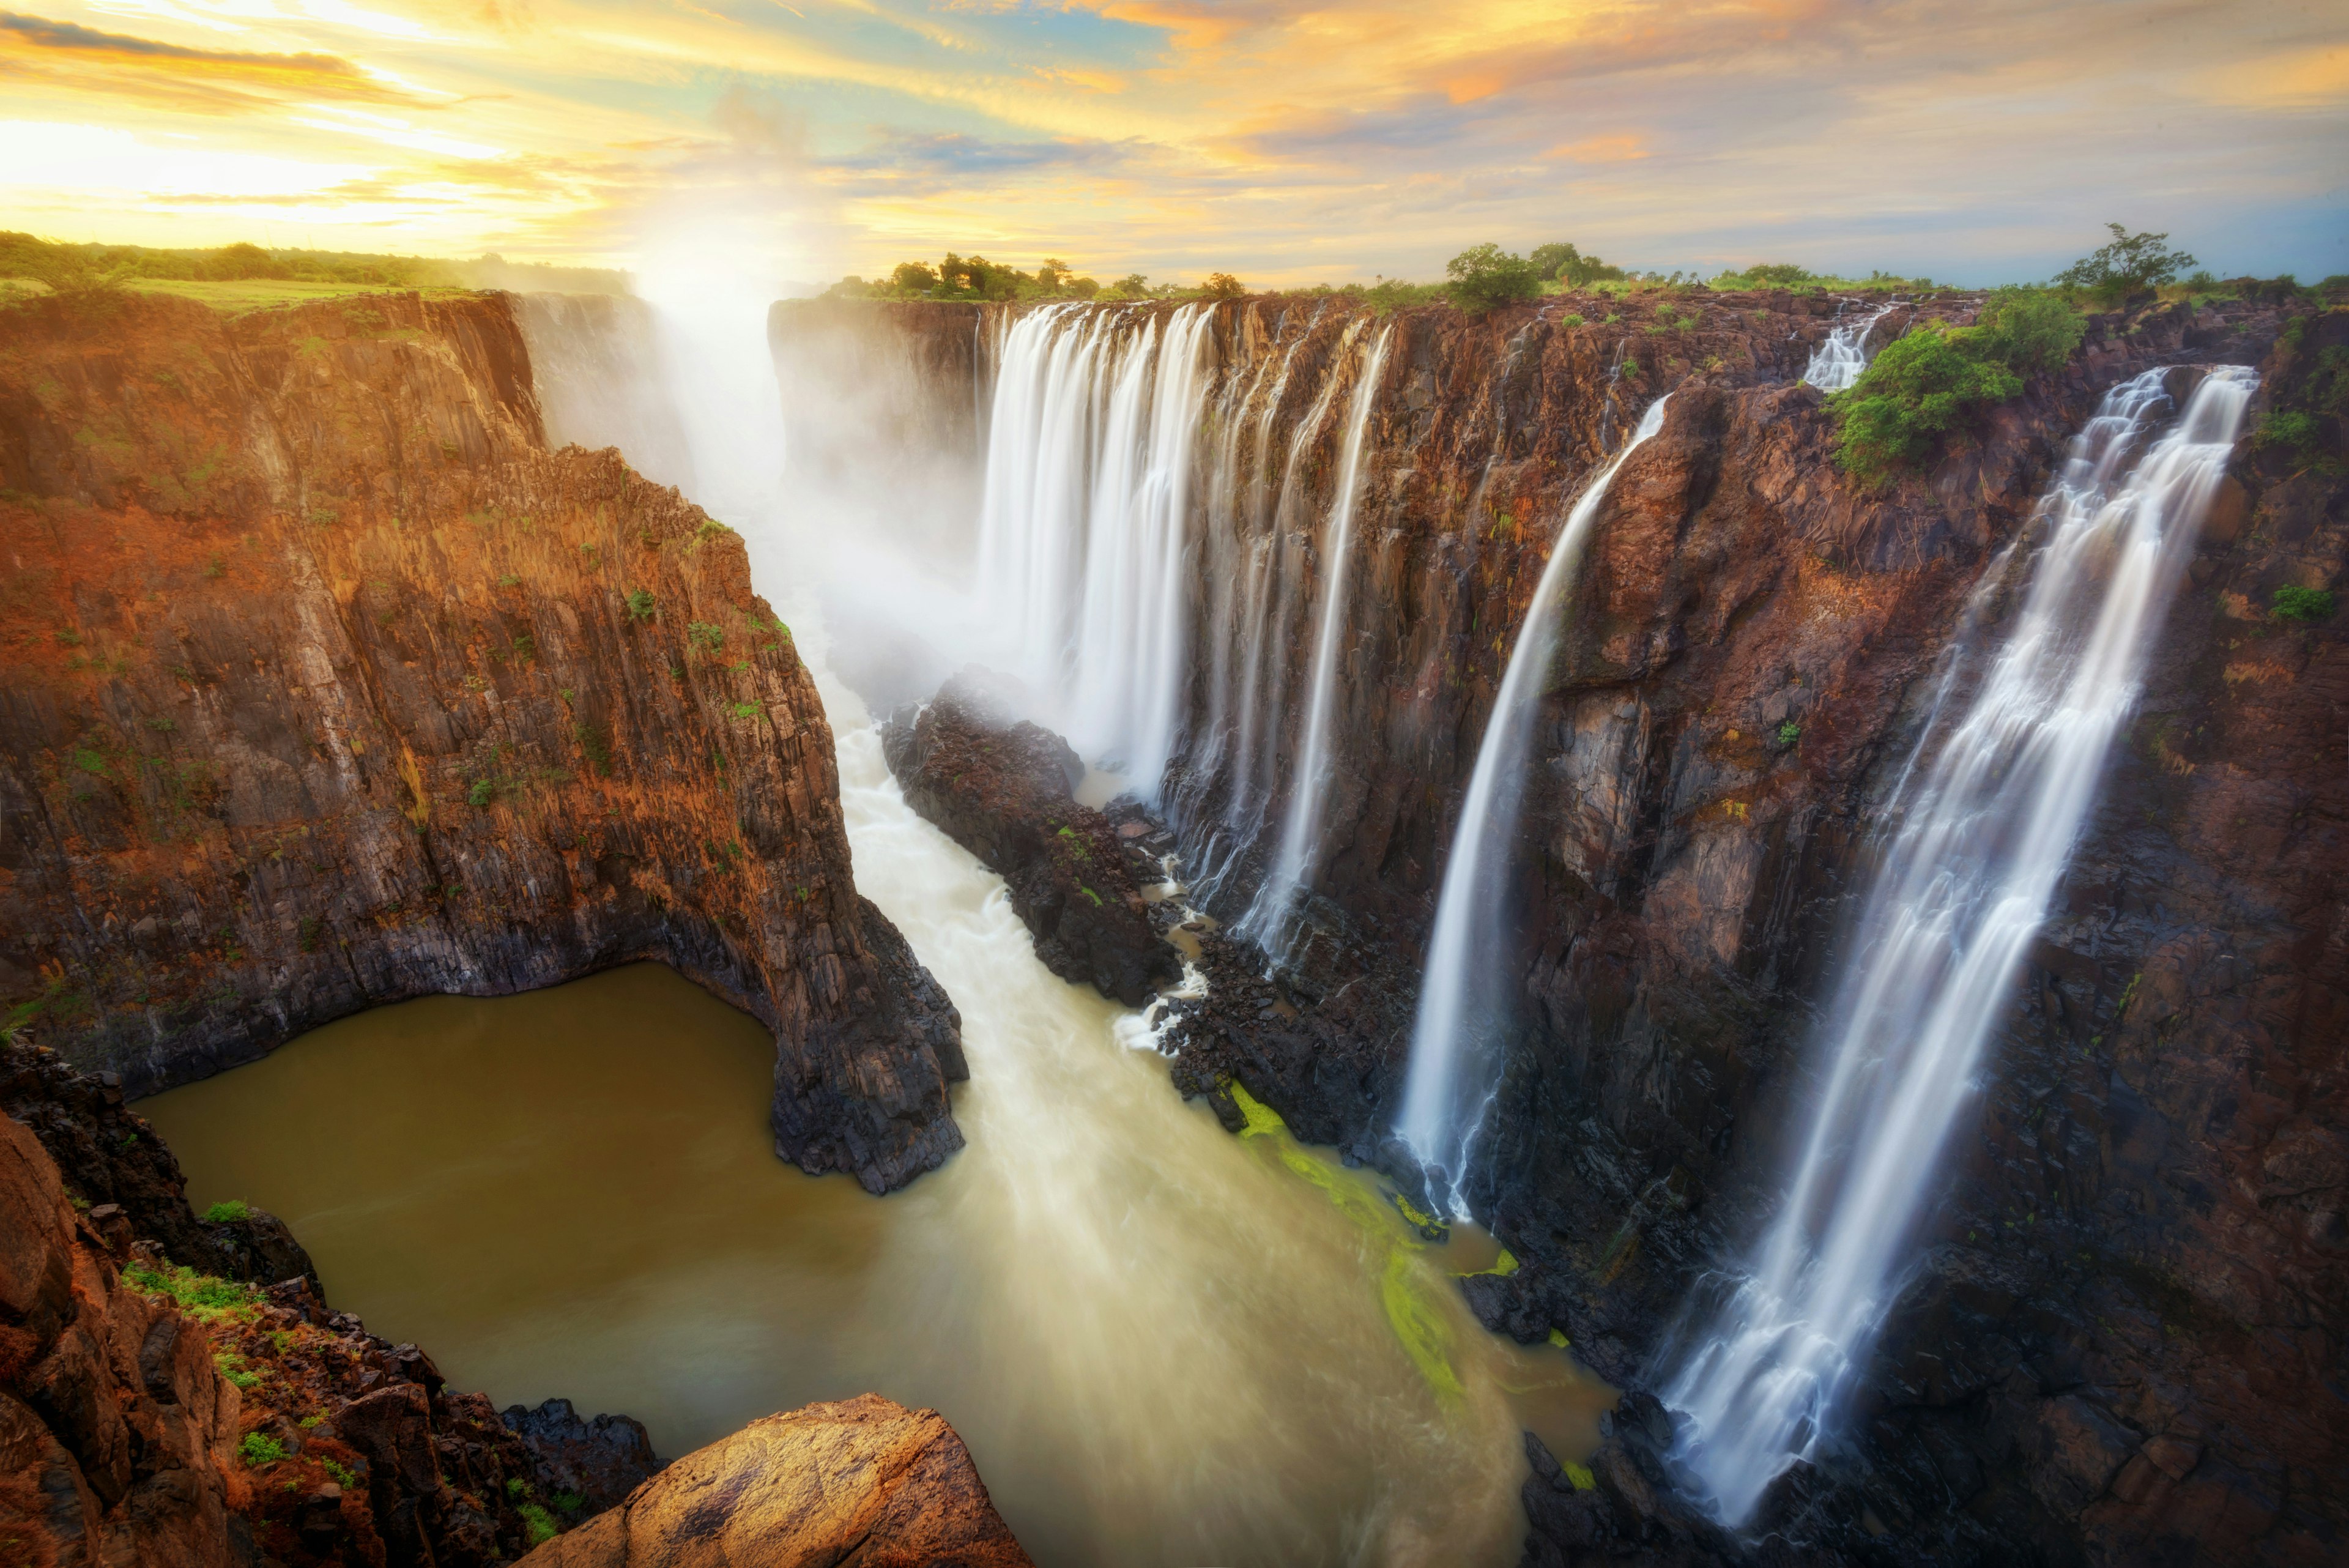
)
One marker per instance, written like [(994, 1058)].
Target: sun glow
[(1289, 141)]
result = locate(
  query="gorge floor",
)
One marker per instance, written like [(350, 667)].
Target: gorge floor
[(1161, 1344)]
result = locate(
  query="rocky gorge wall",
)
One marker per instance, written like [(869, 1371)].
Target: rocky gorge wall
[(328, 684), (2125, 1341)]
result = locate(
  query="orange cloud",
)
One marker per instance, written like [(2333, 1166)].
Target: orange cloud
[(216, 81), (1600, 149)]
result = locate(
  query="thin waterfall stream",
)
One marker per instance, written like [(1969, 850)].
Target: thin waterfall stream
[(1983, 823), (1297, 851), (1454, 1060), (1842, 358)]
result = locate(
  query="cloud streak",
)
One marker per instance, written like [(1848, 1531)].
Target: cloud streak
[(1288, 139)]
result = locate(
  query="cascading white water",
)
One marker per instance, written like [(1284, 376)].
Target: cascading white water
[(1837, 363), (1454, 1066), (1084, 522), (1985, 821), (1058, 1288), (1298, 852)]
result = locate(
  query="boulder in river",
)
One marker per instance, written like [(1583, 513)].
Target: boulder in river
[(1005, 790)]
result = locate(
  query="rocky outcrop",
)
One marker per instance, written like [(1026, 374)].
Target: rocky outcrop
[(115, 1169), (118, 1436), (153, 1413), (865, 1480), (597, 1460), (1003, 789), (328, 685)]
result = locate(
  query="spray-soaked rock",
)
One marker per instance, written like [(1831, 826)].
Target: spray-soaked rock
[(1004, 789)]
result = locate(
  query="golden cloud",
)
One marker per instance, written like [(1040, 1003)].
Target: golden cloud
[(206, 81)]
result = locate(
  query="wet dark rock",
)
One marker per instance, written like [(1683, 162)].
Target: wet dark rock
[(2143, 1242), (111, 1157), (1004, 789), (600, 1461)]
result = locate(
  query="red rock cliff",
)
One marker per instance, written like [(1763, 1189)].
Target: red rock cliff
[(328, 685)]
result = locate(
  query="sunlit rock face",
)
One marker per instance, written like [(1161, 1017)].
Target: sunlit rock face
[(2118, 1336), (856, 1480), (328, 684)]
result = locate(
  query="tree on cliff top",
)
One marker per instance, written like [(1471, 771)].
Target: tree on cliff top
[(2129, 265), (1222, 285), (1485, 275), (1570, 266)]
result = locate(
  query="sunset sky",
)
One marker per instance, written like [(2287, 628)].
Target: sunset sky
[(1978, 141)]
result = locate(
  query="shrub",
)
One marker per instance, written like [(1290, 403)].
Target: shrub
[(484, 793), (201, 1296), (640, 605), (2293, 429), (342, 1474), (1789, 732), (2033, 330), (260, 1449), (232, 1366), (706, 637), (2128, 264), (538, 1523), (596, 744), (228, 1211), (1936, 379), (1483, 277), (1925, 384), (2296, 603)]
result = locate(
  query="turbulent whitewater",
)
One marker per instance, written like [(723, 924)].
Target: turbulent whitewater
[(1463, 1004), (1984, 817)]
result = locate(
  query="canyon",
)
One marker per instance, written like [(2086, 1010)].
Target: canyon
[(2121, 1338), (330, 685), (334, 678)]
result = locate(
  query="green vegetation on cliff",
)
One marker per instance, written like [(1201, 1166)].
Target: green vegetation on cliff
[(1938, 380), (244, 276)]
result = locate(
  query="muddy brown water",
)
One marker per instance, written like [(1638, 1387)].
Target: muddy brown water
[(1164, 1345)]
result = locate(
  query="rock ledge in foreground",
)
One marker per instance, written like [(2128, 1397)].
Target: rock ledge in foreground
[(863, 1480)]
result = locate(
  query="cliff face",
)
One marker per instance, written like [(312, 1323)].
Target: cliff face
[(328, 685), (2124, 1342)]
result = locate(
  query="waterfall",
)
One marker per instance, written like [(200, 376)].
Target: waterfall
[(596, 367), (1085, 519), (1837, 363), (1299, 851), (1454, 1066), (1981, 829)]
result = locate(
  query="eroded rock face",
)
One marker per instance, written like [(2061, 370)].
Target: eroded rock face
[(328, 685), (1003, 790), (863, 1480), (110, 1158), (2123, 1343)]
